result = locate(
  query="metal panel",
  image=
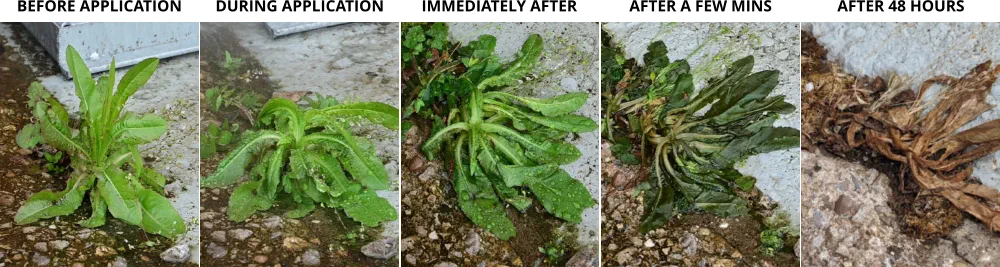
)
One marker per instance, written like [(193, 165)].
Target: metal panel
[(281, 29), (128, 42)]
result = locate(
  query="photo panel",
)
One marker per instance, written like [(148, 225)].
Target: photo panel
[(300, 144), (699, 138), (500, 150)]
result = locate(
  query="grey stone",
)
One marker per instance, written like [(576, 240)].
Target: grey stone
[(42, 246), (473, 243), (311, 257), (381, 249), (217, 251), (273, 222), (219, 236), (119, 262), (240, 234), (690, 244), (39, 259), (446, 264), (176, 254), (626, 256), (59, 244), (586, 257)]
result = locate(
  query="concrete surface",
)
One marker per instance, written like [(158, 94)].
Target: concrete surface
[(172, 93), (777, 172), (570, 61), (921, 51), (352, 62)]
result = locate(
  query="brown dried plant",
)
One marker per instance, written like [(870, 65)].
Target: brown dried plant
[(845, 114)]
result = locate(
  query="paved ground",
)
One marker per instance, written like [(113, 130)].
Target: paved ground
[(172, 93)]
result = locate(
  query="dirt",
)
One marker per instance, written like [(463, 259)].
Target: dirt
[(59, 241), (437, 232), (273, 239), (688, 240)]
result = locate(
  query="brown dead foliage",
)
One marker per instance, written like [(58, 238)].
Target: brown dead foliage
[(844, 113)]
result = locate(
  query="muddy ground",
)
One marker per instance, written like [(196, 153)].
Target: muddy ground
[(437, 233), (59, 241), (300, 65), (703, 239), (861, 222)]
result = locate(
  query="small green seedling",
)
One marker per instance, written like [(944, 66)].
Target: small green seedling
[(219, 138), (52, 163), (232, 64)]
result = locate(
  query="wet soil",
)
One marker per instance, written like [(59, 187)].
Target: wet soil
[(58, 241), (273, 240), (437, 232), (688, 240)]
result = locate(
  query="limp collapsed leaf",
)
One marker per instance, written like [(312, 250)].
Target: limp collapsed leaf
[(692, 153), (503, 145), (108, 138), (308, 155), (918, 130)]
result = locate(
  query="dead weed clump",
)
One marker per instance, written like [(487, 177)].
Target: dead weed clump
[(844, 114)]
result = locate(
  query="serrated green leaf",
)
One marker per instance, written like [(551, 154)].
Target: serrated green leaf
[(153, 179), (658, 208), (301, 210), (763, 141), (656, 56), (517, 175), (332, 173), (484, 212), (48, 204), (562, 196), (136, 77), (55, 133), (233, 166), (375, 112), (98, 209), (272, 177), (540, 151), (360, 160), (241, 202), (553, 106), (159, 216), (208, 146), (512, 73), (118, 193), (82, 79), (369, 209), (134, 130), (29, 136)]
